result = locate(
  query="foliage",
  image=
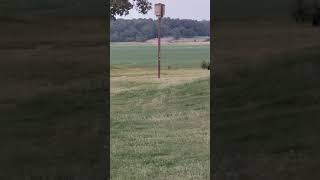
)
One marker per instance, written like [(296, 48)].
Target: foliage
[(143, 29), (122, 7), (205, 65)]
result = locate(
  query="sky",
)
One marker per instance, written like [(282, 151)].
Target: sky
[(182, 9)]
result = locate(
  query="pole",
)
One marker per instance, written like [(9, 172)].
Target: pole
[(159, 44)]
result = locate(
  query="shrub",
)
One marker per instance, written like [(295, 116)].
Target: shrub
[(205, 65)]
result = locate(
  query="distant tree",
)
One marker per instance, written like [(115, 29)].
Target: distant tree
[(122, 7), (129, 34), (188, 33), (115, 36), (165, 30), (144, 29), (175, 33), (140, 37), (148, 29)]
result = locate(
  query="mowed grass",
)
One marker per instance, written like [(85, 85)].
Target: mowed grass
[(266, 100), (159, 128), (53, 99)]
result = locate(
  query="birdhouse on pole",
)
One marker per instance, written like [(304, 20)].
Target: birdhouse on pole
[(159, 10)]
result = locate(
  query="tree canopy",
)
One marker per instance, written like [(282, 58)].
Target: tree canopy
[(122, 7), (143, 29)]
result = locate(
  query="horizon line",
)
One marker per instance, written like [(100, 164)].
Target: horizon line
[(121, 17)]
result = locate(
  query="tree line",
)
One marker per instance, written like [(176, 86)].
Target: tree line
[(140, 30)]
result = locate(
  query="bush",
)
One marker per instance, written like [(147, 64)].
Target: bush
[(205, 65)]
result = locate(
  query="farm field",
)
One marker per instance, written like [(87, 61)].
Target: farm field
[(173, 54), (159, 128), (266, 123)]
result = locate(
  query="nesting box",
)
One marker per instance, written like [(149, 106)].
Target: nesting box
[(159, 9)]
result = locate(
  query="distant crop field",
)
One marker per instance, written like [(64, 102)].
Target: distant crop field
[(145, 55)]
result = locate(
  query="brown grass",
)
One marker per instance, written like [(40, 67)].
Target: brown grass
[(123, 79)]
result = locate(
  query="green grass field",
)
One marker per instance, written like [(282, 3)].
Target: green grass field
[(175, 55), (266, 99), (159, 128), (53, 98)]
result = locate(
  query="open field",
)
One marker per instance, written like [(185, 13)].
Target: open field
[(145, 55), (201, 40), (266, 99), (159, 128), (53, 98)]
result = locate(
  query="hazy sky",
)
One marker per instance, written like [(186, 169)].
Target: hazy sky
[(183, 9)]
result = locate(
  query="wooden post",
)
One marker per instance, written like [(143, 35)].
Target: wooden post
[(159, 44), (159, 12)]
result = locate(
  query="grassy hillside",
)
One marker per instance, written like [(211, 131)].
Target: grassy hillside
[(266, 101), (53, 98), (161, 132), (159, 127)]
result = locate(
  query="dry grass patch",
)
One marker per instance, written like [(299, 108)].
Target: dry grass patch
[(124, 79)]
